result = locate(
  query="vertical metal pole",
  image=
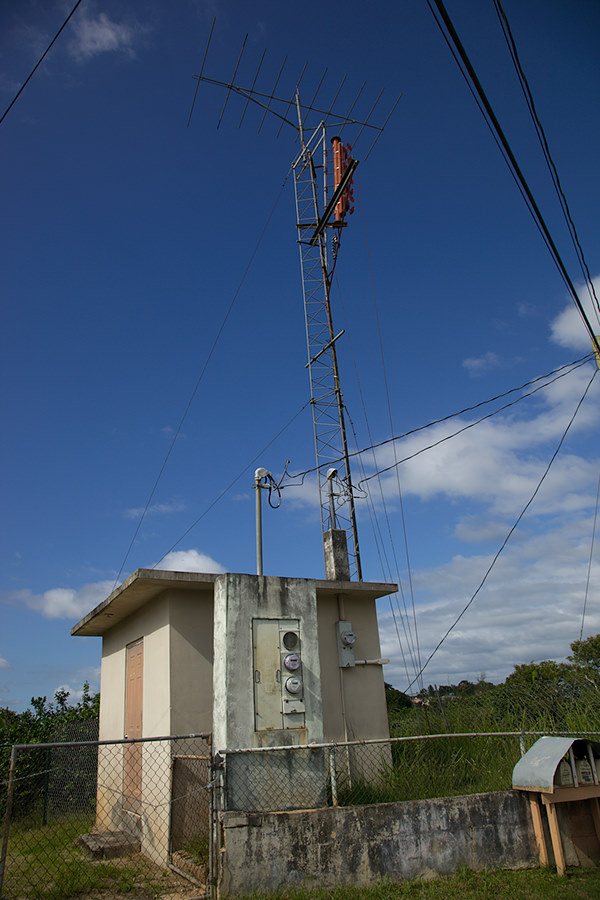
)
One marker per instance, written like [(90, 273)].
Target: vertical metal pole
[(330, 476), (215, 775), (46, 786), (259, 556), (333, 777), (522, 744), (10, 793)]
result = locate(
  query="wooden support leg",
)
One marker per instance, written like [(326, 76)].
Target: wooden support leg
[(556, 839), (538, 828), (596, 815)]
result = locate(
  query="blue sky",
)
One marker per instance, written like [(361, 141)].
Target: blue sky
[(126, 235)]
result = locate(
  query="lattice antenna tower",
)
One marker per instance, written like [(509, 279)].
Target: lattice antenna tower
[(323, 192)]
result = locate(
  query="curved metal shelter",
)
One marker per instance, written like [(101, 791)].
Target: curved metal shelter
[(536, 770)]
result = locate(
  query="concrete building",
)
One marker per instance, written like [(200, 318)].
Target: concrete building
[(254, 660)]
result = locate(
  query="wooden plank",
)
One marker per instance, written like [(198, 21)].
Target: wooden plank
[(559, 855), (565, 794), (538, 828)]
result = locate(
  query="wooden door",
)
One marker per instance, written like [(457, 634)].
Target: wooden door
[(134, 697)]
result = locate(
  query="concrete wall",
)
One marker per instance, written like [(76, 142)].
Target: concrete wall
[(176, 628), (152, 624), (191, 658), (361, 845), (238, 600), (363, 686)]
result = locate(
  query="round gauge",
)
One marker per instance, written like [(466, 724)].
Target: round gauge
[(293, 685), (290, 640), (292, 662)]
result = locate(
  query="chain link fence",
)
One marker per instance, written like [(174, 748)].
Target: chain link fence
[(139, 818), (545, 697), (110, 819), (418, 767)]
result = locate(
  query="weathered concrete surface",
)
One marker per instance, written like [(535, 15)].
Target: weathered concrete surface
[(361, 845), (108, 844), (239, 600), (335, 546)]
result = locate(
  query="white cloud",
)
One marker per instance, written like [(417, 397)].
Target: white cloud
[(190, 561), (499, 462), (481, 364), (474, 529), (4, 663), (156, 509), (529, 609), (73, 603), (76, 681), (99, 34), (63, 603), (568, 329)]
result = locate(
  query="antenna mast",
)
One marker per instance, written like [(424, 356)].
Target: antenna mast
[(316, 214), (331, 444)]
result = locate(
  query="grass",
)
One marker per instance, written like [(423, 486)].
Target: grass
[(525, 884), (45, 863)]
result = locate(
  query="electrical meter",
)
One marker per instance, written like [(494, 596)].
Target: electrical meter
[(278, 682), (346, 638), (290, 640), (293, 685)]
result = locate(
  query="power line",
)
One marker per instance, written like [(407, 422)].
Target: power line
[(38, 63), (390, 419), (199, 380), (509, 535), (462, 59), (589, 571), (539, 128), (456, 433), (231, 483), (560, 372)]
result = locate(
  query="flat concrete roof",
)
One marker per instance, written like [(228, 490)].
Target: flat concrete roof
[(145, 584)]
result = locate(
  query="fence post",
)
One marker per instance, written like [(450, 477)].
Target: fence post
[(10, 793), (216, 803), (333, 777), (46, 788), (522, 744)]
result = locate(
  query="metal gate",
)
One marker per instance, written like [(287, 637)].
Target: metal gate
[(193, 811)]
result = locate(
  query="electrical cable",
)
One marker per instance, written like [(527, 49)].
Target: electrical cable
[(377, 535), (589, 571), (461, 430), (199, 380), (541, 134), (463, 60), (510, 533), (38, 63), (571, 367), (231, 483), (387, 569), (390, 419)]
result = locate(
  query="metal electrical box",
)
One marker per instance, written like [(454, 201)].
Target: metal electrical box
[(278, 682), (346, 639)]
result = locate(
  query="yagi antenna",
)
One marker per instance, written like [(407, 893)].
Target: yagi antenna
[(279, 104), (324, 197)]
